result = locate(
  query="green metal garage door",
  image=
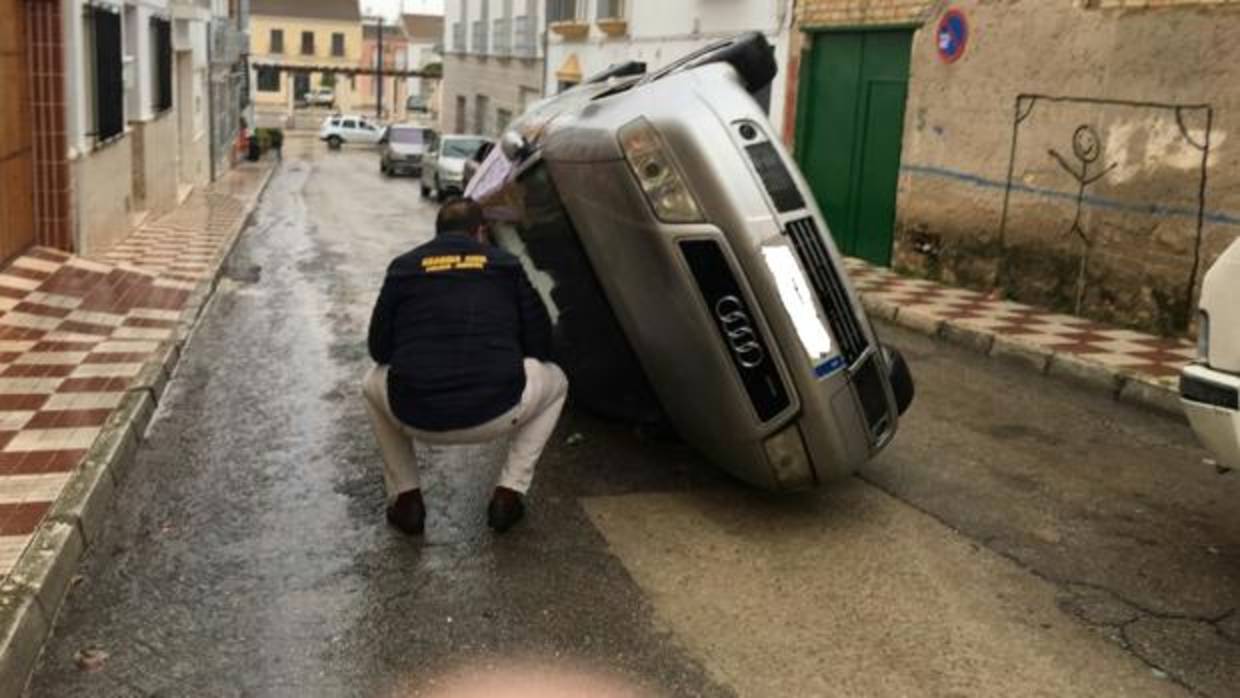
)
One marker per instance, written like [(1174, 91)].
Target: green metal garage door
[(849, 133)]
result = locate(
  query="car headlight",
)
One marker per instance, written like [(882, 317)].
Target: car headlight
[(660, 179), (1203, 336)]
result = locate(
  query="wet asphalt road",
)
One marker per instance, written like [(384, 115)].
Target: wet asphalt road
[(246, 553)]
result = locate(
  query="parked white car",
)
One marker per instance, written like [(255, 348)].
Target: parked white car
[(321, 97), (350, 128), (1210, 387)]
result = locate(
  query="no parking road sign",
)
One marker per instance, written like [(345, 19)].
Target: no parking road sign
[(953, 35)]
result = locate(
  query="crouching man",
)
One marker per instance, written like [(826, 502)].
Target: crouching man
[(461, 341)]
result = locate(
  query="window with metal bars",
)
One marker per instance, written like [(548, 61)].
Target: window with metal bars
[(161, 50), (611, 9), (109, 82), (564, 10)]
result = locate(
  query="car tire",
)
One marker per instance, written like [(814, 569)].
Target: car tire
[(439, 193), (383, 169), (751, 56), (334, 142), (425, 191), (901, 379)]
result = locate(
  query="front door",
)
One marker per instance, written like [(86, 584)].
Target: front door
[(850, 132), (301, 85), (16, 144)]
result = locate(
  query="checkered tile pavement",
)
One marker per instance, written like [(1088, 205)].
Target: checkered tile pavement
[(1148, 358), (75, 332)]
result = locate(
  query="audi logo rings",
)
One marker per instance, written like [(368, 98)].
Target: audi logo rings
[(741, 336)]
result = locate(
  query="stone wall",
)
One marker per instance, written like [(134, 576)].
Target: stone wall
[(1077, 155), (510, 84), (103, 192), (812, 13)]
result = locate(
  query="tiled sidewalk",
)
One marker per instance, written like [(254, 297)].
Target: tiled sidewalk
[(76, 333), (931, 307)]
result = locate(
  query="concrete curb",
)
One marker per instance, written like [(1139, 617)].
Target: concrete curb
[(31, 596), (1069, 368)]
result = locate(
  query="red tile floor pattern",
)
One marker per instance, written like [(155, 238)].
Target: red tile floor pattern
[(75, 332), (1146, 357)]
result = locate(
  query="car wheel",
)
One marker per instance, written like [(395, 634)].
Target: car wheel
[(901, 380), (383, 169), (425, 190), (334, 142), (439, 193)]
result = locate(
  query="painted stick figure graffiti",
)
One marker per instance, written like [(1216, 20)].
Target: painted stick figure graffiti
[(1087, 148)]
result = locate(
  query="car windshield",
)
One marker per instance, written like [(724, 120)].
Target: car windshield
[(408, 136), (461, 147)]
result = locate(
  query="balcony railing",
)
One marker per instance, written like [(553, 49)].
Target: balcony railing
[(525, 36), (478, 42), (611, 9), (565, 11), (501, 37), (458, 37)]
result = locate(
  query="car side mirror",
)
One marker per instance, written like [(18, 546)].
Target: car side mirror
[(514, 146)]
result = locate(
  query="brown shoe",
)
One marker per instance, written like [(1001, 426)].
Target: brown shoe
[(506, 509), (408, 513)]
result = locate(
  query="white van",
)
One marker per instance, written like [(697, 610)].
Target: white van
[(1210, 387)]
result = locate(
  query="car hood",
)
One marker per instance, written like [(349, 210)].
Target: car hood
[(406, 148)]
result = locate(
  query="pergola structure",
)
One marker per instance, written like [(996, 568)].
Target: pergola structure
[(350, 71)]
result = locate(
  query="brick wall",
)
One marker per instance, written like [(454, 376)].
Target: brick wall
[(1109, 4), (818, 13), (52, 187)]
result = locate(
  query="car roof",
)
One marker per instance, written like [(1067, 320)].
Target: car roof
[(464, 136)]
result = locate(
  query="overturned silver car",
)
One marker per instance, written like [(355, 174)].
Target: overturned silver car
[(689, 273)]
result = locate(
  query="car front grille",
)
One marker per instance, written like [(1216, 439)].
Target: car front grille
[(829, 287), (737, 327)]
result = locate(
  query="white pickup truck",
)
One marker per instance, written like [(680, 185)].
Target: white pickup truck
[(1210, 387)]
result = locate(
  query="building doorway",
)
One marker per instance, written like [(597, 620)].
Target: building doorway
[(301, 86), (16, 143), (850, 132)]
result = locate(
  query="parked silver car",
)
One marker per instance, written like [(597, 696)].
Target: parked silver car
[(403, 147), (443, 163), (689, 272)]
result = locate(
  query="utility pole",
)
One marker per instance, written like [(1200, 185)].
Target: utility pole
[(379, 74)]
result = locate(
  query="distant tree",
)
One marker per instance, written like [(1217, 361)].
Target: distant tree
[(434, 70), (328, 80)]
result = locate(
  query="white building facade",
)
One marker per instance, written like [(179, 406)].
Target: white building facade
[(586, 37), (425, 34), (492, 65), (137, 83)]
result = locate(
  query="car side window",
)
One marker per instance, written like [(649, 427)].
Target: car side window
[(349, 123), (368, 127), (335, 122)]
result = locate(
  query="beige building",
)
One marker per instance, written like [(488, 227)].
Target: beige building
[(295, 44), (1069, 153), (492, 65)]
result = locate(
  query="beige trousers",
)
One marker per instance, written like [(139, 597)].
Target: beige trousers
[(530, 422)]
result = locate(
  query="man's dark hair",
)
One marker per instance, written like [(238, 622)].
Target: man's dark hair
[(459, 215)]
